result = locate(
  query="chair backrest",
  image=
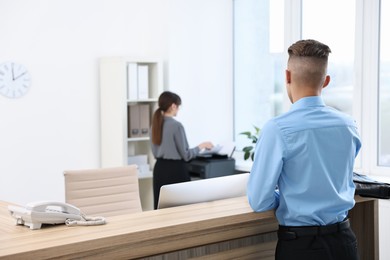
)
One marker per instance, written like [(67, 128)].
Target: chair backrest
[(104, 192)]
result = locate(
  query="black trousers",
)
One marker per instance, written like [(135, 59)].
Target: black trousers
[(168, 172), (333, 242)]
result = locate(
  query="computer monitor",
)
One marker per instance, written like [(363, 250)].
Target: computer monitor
[(191, 192)]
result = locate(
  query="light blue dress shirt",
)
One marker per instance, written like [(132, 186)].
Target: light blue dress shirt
[(309, 154)]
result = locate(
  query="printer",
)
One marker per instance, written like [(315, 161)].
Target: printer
[(215, 166)]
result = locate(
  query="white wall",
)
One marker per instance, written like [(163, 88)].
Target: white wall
[(200, 57), (56, 125)]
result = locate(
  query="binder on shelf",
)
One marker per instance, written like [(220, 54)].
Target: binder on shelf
[(133, 121), (144, 117), (143, 81), (132, 81)]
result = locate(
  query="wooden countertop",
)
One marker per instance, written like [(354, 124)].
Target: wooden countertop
[(160, 231), (136, 235)]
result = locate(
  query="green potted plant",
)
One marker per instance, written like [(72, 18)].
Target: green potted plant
[(249, 151)]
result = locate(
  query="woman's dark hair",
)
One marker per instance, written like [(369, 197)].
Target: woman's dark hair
[(165, 101)]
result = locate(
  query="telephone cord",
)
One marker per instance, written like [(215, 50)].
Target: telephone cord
[(87, 221)]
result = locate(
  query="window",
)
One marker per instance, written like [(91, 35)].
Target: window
[(340, 37), (384, 86), (360, 78), (258, 64)]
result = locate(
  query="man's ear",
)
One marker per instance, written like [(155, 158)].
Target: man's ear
[(288, 77), (326, 82)]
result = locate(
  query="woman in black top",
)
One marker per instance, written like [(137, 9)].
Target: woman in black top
[(169, 145)]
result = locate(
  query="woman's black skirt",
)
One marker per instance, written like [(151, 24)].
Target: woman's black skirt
[(168, 172)]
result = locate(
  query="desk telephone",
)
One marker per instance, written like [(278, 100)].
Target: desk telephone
[(48, 212)]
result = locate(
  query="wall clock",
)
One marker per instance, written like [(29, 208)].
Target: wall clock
[(15, 80)]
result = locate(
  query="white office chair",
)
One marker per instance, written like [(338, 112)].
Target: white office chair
[(104, 192)]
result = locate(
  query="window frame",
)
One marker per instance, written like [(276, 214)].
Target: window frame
[(366, 77), (367, 59)]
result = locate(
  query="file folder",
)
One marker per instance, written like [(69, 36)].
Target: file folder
[(133, 121), (132, 81), (143, 82), (144, 117)]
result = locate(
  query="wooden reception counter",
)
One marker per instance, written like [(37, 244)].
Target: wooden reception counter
[(225, 229)]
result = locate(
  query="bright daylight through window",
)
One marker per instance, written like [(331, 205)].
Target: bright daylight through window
[(258, 64), (384, 87), (340, 37)]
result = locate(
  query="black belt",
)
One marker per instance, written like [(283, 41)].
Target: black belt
[(289, 233)]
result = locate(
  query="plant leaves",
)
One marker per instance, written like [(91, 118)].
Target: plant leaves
[(247, 149), (247, 134), (254, 139)]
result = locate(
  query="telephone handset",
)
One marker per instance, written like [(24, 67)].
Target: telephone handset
[(50, 206), (50, 212)]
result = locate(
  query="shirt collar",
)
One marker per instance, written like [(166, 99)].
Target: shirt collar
[(313, 101)]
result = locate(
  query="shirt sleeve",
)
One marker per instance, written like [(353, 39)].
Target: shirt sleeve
[(266, 169), (358, 142), (182, 145)]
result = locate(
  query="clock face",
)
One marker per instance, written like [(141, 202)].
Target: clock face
[(15, 80)]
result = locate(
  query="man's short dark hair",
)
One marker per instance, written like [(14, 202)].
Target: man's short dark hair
[(309, 48)]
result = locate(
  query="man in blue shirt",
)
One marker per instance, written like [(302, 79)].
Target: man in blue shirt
[(303, 165)]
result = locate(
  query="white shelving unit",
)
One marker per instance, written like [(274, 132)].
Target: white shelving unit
[(116, 145)]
